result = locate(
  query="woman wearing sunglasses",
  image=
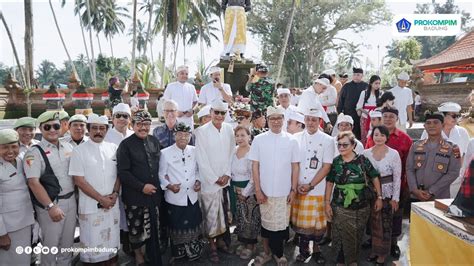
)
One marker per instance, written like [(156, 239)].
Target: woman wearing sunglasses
[(349, 208)]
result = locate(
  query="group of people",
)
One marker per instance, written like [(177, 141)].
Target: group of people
[(264, 167)]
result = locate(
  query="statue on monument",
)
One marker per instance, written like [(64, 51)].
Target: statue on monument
[(235, 31)]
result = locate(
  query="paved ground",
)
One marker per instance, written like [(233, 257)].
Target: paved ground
[(290, 252)]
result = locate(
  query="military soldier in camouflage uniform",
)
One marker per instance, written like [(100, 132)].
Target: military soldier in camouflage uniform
[(432, 164), (261, 91), (258, 124)]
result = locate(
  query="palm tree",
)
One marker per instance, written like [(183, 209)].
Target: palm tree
[(29, 42), (140, 37), (134, 28), (112, 21), (62, 39), (148, 7), (204, 33), (285, 40), (352, 55), (45, 72), (169, 17)]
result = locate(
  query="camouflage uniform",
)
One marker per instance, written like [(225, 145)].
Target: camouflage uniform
[(261, 94), (256, 131)]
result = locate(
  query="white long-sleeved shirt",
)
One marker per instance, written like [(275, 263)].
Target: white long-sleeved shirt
[(214, 150), (180, 167), (328, 98)]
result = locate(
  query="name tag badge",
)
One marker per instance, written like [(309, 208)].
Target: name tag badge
[(313, 163)]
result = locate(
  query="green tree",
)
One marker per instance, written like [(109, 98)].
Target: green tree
[(141, 37), (351, 55), (404, 50), (46, 72), (432, 45), (313, 31)]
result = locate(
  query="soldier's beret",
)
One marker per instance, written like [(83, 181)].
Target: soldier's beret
[(48, 116), (8, 136), (25, 122)]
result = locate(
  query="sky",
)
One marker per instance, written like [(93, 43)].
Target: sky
[(47, 44)]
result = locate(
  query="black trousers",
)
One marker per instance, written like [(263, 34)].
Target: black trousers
[(276, 240)]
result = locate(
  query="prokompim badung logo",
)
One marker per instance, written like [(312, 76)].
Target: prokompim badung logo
[(403, 25)]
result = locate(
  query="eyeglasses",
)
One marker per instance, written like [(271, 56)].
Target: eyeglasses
[(125, 116), (219, 112), (343, 145), (169, 111), (143, 124), (453, 115), (47, 127)]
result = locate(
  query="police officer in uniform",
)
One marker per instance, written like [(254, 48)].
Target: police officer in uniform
[(56, 216), (432, 164), (16, 211)]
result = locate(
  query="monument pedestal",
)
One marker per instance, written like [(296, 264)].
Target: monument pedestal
[(238, 76)]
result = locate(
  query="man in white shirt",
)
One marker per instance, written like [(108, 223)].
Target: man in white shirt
[(121, 117), (294, 96), (94, 169), (215, 89), (295, 123), (179, 179), (275, 169), (403, 101), (77, 130), (346, 123), (284, 96), (184, 94), (309, 99), (307, 213), (215, 144)]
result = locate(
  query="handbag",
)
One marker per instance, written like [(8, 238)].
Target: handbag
[(48, 180)]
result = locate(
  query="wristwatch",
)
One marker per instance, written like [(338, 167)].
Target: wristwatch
[(379, 197), (311, 187), (51, 205)]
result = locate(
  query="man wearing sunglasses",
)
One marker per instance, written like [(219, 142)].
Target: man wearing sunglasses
[(137, 167), (56, 217), (215, 144), (120, 119), (77, 130)]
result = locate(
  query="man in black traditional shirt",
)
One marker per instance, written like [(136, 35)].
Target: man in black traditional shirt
[(137, 163), (349, 96)]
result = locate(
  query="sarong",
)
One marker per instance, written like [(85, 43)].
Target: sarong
[(308, 216), (214, 207), (100, 230), (382, 230), (143, 229), (247, 217), (365, 124), (235, 28), (275, 213), (185, 230), (347, 231)]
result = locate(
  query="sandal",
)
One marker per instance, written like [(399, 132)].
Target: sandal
[(262, 259), (213, 257), (246, 254), (302, 257), (318, 258), (281, 261)]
